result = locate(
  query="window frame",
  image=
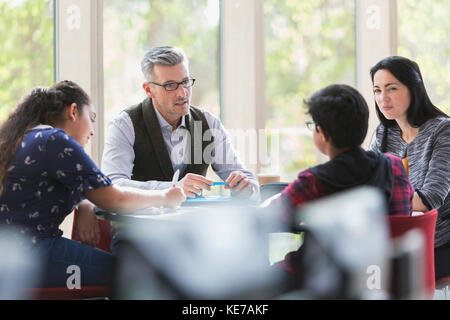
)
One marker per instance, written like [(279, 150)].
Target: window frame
[(79, 56)]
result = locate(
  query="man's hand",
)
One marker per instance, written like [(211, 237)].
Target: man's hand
[(173, 197), (239, 183), (86, 224), (193, 183)]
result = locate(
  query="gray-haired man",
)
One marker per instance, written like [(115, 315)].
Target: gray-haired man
[(148, 142)]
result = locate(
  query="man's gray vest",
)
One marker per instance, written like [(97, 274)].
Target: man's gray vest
[(152, 160)]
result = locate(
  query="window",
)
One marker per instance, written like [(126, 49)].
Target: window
[(423, 29), (309, 44), (191, 25), (26, 57), (134, 26)]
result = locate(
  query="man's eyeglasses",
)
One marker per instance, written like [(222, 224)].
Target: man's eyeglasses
[(311, 125), (172, 86)]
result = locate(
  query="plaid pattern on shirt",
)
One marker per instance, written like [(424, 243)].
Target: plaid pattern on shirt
[(307, 188), (402, 191)]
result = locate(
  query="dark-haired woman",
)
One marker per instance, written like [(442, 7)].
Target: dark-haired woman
[(45, 173), (413, 129)]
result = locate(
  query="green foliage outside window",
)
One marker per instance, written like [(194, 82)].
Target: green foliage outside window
[(132, 27), (309, 45), (26, 55), (423, 29)]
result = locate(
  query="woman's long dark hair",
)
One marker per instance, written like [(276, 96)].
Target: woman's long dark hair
[(421, 109), (40, 106)]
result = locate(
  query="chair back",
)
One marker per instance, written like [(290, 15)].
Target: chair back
[(268, 190), (426, 224), (105, 235)]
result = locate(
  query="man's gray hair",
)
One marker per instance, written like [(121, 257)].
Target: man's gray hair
[(164, 56)]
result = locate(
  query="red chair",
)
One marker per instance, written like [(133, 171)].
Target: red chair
[(426, 223), (63, 293)]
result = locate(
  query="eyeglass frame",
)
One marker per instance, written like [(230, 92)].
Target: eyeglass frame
[(309, 123), (177, 83)]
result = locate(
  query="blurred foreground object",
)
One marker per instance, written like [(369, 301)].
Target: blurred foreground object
[(219, 253), (19, 267), (347, 247)]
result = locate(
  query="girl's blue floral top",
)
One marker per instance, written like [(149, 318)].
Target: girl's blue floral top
[(48, 177)]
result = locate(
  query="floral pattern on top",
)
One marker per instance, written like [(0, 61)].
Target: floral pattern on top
[(49, 175)]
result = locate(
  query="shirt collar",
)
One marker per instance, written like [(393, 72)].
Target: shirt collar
[(41, 127), (163, 123)]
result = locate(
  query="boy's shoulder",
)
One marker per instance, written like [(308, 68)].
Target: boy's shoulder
[(392, 157), (394, 160), (305, 180), (305, 177), (398, 168)]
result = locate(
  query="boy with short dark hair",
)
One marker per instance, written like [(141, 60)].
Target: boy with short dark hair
[(340, 121)]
